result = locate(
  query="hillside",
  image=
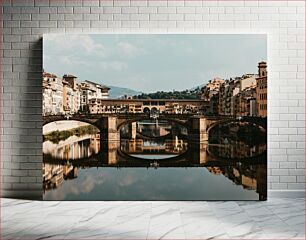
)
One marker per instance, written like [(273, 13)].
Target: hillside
[(118, 92)]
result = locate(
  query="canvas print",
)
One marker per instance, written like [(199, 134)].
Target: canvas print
[(154, 116)]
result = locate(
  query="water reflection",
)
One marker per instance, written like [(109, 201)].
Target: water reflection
[(153, 149), (74, 147), (160, 128), (236, 149), (134, 168)]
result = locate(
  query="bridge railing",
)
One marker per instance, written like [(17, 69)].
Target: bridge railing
[(120, 114), (160, 115)]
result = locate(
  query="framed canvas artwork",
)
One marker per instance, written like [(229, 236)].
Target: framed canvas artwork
[(154, 116)]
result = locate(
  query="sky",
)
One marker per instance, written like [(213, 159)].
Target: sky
[(153, 62)]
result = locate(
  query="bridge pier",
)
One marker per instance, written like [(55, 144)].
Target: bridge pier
[(198, 153), (109, 139), (198, 129), (108, 129), (174, 131), (108, 152), (133, 130)]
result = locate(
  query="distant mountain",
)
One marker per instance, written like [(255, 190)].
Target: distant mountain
[(118, 92)]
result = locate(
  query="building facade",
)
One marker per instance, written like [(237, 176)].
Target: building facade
[(168, 106), (211, 93), (90, 90), (261, 89), (66, 96), (52, 94), (241, 96)]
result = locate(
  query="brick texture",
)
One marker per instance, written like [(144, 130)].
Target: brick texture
[(24, 22)]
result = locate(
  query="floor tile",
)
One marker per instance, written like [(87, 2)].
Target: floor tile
[(274, 219)]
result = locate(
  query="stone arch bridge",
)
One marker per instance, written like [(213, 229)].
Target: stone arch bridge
[(198, 126)]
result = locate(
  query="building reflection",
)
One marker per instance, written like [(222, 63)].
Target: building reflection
[(54, 175), (228, 148), (71, 149), (250, 177), (60, 159), (154, 130), (74, 147), (140, 146)]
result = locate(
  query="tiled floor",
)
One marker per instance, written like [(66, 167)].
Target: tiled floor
[(274, 219)]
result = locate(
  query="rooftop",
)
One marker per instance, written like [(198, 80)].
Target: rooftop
[(50, 75), (69, 76)]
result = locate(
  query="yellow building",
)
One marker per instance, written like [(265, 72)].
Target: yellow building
[(169, 106)]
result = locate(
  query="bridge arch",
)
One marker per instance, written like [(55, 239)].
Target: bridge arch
[(71, 125), (154, 110), (146, 110), (128, 121), (246, 120), (57, 118), (180, 157), (70, 119)]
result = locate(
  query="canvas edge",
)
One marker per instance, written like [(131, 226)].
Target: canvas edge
[(38, 195)]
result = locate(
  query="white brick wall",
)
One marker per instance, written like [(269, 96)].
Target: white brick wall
[(24, 22)]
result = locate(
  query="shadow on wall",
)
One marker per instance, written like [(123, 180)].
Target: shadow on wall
[(30, 155)]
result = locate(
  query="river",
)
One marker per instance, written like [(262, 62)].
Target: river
[(158, 164)]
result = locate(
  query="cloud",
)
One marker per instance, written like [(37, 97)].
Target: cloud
[(64, 43), (129, 49), (86, 185), (72, 61), (114, 65), (128, 180), (90, 46)]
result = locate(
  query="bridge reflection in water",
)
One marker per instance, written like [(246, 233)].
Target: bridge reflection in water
[(114, 170)]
